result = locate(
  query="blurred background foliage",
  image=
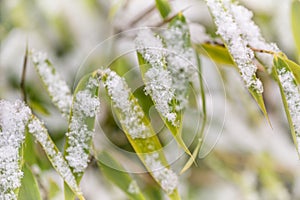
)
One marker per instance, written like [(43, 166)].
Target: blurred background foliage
[(242, 158)]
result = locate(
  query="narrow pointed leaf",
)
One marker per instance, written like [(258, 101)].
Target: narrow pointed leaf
[(81, 126), (139, 132), (13, 120), (159, 83), (295, 68), (290, 95), (295, 20), (115, 172), (57, 88), (38, 130), (217, 53), (238, 40), (29, 188), (163, 7)]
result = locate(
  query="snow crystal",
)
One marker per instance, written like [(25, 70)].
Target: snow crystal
[(131, 115), (86, 105), (252, 34), (167, 179), (13, 120), (158, 79), (57, 88), (133, 188), (38, 130), (181, 60), (235, 37), (292, 95)]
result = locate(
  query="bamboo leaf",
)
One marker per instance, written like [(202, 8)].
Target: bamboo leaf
[(13, 120), (38, 130), (217, 53), (293, 67), (163, 7), (139, 132), (295, 20), (115, 172), (159, 83), (57, 88), (290, 95), (29, 187), (237, 41), (81, 126)]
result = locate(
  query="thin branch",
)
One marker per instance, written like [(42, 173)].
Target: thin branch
[(22, 84)]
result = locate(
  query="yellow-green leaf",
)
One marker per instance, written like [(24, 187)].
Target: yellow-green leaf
[(163, 7), (139, 132), (116, 173), (295, 20), (216, 53), (29, 187), (290, 95)]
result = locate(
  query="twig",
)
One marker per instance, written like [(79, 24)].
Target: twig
[(22, 84)]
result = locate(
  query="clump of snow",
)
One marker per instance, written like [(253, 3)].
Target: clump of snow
[(167, 179), (57, 87), (158, 79), (232, 22), (85, 105), (181, 60), (131, 114), (292, 95), (13, 120), (38, 130)]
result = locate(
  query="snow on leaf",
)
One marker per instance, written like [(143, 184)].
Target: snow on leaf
[(38, 130), (234, 37), (13, 120), (290, 93), (139, 131), (157, 78), (81, 127), (180, 58), (167, 179), (131, 115), (55, 85)]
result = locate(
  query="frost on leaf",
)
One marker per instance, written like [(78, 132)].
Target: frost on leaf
[(292, 95), (85, 106), (57, 88), (13, 120), (180, 58), (130, 113), (232, 22), (158, 79), (38, 130), (167, 179)]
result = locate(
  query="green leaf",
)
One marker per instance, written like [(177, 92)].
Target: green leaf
[(176, 131), (216, 53), (163, 7), (38, 130), (295, 68), (29, 187), (81, 126), (295, 20), (56, 87), (115, 172), (279, 65), (139, 131)]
